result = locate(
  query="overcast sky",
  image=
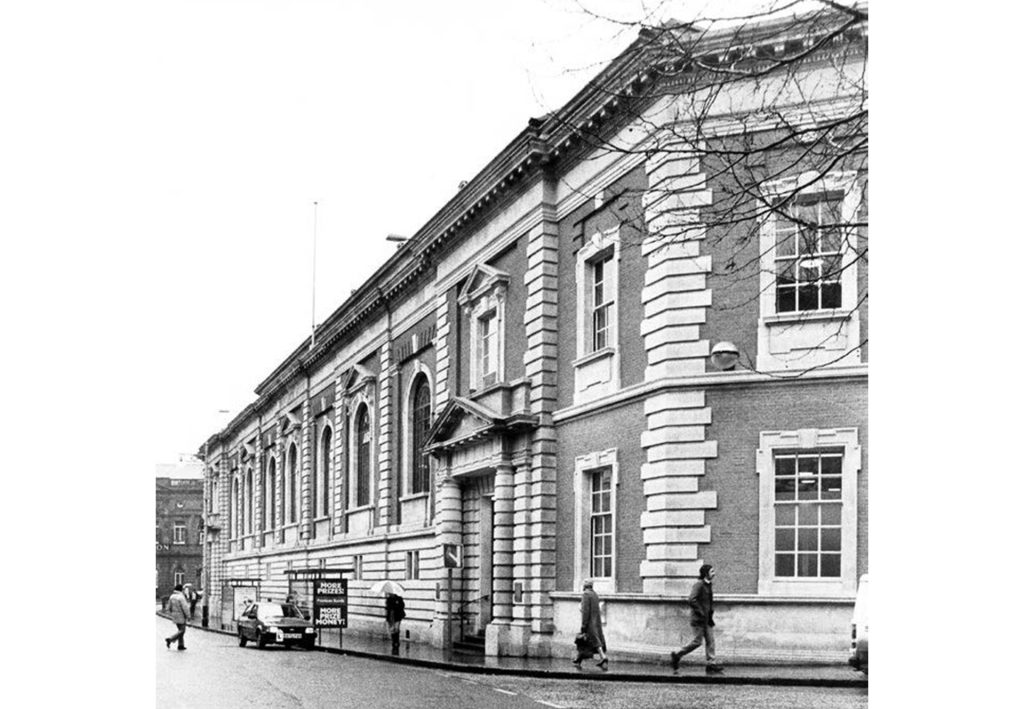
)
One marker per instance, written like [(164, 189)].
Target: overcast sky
[(172, 153)]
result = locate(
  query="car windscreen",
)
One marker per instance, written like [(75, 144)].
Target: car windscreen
[(268, 611)]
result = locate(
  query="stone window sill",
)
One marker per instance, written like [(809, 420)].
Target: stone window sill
[(594, 356), (796, 318)]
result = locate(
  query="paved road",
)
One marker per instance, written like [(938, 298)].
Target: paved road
[(215, 672)]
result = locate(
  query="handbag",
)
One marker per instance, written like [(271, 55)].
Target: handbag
[(582, 640)]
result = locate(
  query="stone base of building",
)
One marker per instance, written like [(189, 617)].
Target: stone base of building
[(747, 629)]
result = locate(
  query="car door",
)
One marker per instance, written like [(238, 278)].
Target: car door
[(248, 622)]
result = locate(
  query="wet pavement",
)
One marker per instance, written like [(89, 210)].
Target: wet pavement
[(692, 671)]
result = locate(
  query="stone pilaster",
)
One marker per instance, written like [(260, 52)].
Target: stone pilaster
[(675, 299), (306, 471), (384, 511), (442, 352), (282, 472), (257, 494), (540, 360), (340, 488)]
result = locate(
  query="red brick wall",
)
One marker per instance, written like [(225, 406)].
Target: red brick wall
[(738, 415)]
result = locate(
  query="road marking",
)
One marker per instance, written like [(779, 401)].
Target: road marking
[(504, 691), (549, 704)]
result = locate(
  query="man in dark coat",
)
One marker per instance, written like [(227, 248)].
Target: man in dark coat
[(590, 625), (702, 620), (177, 606), (394, 612)]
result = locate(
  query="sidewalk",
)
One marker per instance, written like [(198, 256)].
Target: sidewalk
[(690, 671)]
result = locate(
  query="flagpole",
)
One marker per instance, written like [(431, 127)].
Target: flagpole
[(312, 336)]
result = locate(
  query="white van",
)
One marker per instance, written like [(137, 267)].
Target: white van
[(859, 628)]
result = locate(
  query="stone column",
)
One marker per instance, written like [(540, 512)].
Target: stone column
[(448, 528), (519, 633), (497, 629)]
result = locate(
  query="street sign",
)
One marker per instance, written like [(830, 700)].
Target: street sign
[(330, 603), (452, 556)]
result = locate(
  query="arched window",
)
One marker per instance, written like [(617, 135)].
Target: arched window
[(248, 501), (325, 471), (270, 493), (362, 456), (420, 468), (293, 474)]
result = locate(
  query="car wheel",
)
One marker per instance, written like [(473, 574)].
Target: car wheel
[(241, 638), (261, 641), (309, 644)]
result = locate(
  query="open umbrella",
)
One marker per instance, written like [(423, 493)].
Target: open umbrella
[(382, 588)]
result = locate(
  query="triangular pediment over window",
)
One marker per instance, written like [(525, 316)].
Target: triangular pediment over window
[(463, 422), (482, 279), (358, 377)]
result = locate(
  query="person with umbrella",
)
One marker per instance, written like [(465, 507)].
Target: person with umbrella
[(394, 609)]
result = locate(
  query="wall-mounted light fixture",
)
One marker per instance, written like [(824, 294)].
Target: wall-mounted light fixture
[(724, 356)]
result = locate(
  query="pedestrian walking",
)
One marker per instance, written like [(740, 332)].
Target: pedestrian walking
[(394, 612), (177, 606), (590, 641), (192, 597), (702, 620)]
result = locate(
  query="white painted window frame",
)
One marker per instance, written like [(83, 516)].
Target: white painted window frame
[(808, 439), (596, 248), (490, 304), (838, 181), (179, 538), (412, 565), (585, 466), (288, 493)]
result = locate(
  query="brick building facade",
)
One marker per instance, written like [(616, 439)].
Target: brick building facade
[(179, 533), (530, 377)]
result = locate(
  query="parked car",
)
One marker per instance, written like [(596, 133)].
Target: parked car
[(859, 628), (277, 623)]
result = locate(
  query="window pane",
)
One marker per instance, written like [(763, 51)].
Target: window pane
[(785, 466), (808, 540), (830, 565), (831, 488), (831, 514), (784, 564), (831, 240), (807, 515), (785, 539), (831, 465), (832, 268), (785, 515), (831, 295), (807, 565), (807, 298), (785, 300), (808, 489), (830, 539), (785, 273), (785, 488), (808, 464), (785, 244)]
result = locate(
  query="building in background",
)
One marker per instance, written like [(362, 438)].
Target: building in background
[(179, 527), (634, 343)]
